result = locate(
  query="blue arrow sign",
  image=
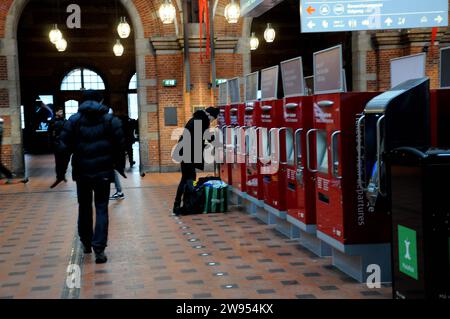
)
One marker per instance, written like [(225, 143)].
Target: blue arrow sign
[(354, 15)]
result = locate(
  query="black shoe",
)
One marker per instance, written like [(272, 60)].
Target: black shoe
[(100, 257), (86, 248), (132, 163)]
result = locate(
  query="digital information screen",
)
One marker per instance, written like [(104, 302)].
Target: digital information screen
[(444, 69), (354, 15), (328, 71), (223, 93), (251, 87), (269, 83), (234, 91), (292, 75), (408, 68)]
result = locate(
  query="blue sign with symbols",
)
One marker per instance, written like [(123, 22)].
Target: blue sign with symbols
[(354, 15)]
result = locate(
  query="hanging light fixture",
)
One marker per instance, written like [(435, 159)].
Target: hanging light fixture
[(232, 12), (118, 49), (167, 12), (55, 35), (61, 45), (269, 33), (123, 29), (254, 42)]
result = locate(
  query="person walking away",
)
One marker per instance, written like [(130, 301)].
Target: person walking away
[(118, 194), (54, 130), (128, 130), (205, 117), (3, 170), (95, 141)]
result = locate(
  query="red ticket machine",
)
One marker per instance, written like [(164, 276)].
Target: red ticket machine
[(223, 121), (300, 182), (273, 157), (236, 160), (237, 113), (252, 178), (252, 121), (341, 212), (440, 118), (272, 148)]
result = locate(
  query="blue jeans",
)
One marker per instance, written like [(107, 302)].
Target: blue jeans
[(96, 189)]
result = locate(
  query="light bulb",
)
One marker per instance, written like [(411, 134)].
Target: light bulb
[(167, 12), (55, 35), (232, 12), (269, 33), (254, 42), (123, 29), (61, 45), (118, 48)]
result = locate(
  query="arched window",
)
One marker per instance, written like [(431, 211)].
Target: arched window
[(133, 83), (82, 79), (70, 108), (132, 98)]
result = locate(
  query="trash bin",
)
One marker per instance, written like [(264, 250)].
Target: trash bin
[(419, 183)]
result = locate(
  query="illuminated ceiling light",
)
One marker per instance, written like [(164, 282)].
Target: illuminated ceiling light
[(61, 45), (167, 12), (123, 29), (55, 35), (232, 12), (118, 48), (254, 42), (269, 33)]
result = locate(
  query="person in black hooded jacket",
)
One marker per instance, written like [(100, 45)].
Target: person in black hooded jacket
[(95, 141), (197, 144)]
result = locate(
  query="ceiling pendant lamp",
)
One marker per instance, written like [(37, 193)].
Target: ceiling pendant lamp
[(232, 12), (167, 12), (123, 29), (269, 33), (254, 42), (55, 34), (61, 45), (118, 49)]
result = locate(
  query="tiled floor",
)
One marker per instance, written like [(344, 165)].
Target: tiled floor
[(151, 253)]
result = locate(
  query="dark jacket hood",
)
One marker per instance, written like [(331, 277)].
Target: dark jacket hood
[(92, 107)]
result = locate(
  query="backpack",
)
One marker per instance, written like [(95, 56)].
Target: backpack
[(193, 199)]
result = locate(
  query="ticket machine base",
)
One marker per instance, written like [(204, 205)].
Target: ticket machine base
[(235, 196), (278, 218), (308, 238), (354, 260), (251, 204)]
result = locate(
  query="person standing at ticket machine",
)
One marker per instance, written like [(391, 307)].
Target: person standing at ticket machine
[(202, 119)]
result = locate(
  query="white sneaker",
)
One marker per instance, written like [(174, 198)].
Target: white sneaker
[(118, 195)]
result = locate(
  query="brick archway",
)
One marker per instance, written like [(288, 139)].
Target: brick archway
[(144, 24)]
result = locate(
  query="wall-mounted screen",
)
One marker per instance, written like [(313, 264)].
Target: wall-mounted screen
[(408, 68), (328, 71)]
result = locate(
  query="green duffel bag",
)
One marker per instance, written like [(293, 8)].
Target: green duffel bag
[(216, 197)]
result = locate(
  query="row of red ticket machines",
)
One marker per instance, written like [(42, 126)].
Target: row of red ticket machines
[(313, 177)]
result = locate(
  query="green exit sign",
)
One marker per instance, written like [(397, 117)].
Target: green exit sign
[(220, 81), (169, 83)]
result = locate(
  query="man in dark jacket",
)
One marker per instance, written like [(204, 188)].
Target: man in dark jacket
[(96, 143), (200, 120)]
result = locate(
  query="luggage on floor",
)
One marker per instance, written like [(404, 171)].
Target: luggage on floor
[(216, 196), (193, 198)]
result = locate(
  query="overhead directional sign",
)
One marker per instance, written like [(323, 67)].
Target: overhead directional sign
[(359, 15)]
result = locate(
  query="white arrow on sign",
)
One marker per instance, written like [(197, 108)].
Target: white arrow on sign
[(389, 21), (311, 24), (439, 19)]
